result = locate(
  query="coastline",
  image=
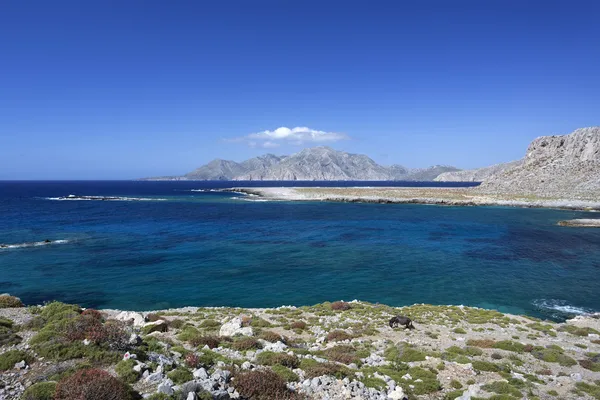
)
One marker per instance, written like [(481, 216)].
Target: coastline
[(336, 350), (427, 196)]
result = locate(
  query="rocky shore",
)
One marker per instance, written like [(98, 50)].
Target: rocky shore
[(340, 350), (432, 196), (581, 223)]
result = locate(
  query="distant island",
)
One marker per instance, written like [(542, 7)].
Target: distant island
[(312, 164)]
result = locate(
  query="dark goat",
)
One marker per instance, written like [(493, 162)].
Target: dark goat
[(395, 322)]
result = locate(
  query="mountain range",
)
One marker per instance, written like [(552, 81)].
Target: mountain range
[(312, 164)]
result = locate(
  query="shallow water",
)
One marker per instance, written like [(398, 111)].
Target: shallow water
[(215, 248)]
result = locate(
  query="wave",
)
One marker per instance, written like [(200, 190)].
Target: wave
[(73, 197), (560, 308), (32, 244)]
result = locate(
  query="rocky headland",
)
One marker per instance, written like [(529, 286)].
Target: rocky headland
[(557, 172), (340, 350)]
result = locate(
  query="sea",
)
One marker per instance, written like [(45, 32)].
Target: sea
[(141, 245)]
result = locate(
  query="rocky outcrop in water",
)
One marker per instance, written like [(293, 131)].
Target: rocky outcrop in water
[(477, 174), (566, 166)]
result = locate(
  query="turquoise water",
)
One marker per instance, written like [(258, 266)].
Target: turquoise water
[(172, 247)]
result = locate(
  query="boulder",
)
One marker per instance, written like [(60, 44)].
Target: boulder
[(135, 318), (234, 327), (156, 326), (200, 374)]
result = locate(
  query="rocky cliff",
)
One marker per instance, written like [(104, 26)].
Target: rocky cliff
[(566, 166), (476, 175)]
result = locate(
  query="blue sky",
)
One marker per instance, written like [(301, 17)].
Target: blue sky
[(125, 89)]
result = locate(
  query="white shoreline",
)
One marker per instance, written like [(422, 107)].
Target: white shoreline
[(431, 196)]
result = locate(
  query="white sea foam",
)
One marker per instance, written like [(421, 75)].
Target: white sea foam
[(31, 244), (73, 197), (558, 307)]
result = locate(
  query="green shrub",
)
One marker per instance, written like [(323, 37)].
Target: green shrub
[(502, 388), (404, 353), (7, 301), (210, 324), (453, 394), (124, 370), (285, 373), (509, 345), (188, 333), (320, 369), (459, 331), (11, 357), (180, 375), (553, 354), (40, 391), (486, 366), (456, 384)]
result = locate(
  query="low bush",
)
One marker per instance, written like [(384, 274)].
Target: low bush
[(320, 369), (210, 324), (502, 388), (343, 354), (483, 343), (298, 325), (553, 354), (337, 336), (246, 343), (262, 385), (176, 323), (7, 301), (403, 354), (340, 306), (124, 370), (192, 360), (271, 336), (40, 391), (200, 341), (11, 357), (95, 314), (589, 364), (92, 384), (509, 345), (285, 373), (180, 375), (152, 317), (486, 366), (459, 331)]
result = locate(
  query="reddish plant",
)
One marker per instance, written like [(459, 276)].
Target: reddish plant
[(336, 336), (248, 343), (246, 320), (298, 325), (340, 306), (81, 327), (262, 385), (271, 336), (192, 360), (528, 348), (90, 312), (92, 384), (210, 341)]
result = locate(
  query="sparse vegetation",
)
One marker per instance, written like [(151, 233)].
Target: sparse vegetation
[(7, 301)]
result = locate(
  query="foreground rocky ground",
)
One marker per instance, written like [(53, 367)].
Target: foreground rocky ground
[(440, 196), (341, 350)]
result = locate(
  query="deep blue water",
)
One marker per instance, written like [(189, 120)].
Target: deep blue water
[(212, 248)]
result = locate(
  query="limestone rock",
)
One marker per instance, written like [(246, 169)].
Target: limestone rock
[(234, 327)]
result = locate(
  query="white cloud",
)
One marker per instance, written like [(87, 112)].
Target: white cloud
[(294, 136)]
